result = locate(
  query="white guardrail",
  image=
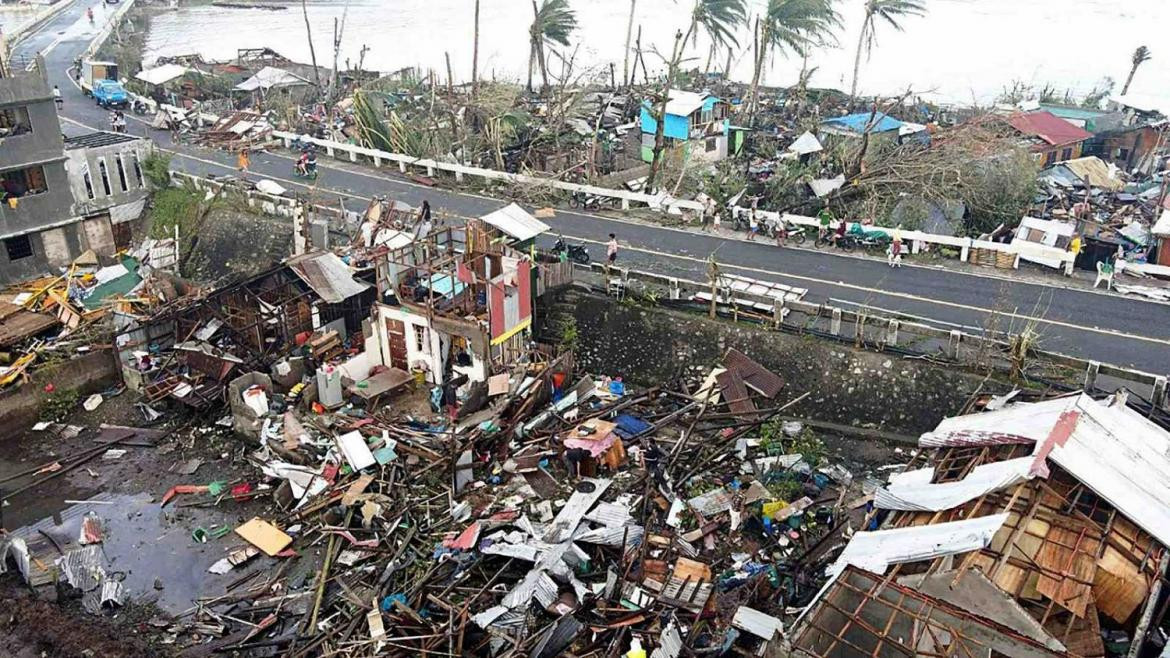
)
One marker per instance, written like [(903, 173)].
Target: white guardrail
[(335, 149), (35, 23), (917, 239)]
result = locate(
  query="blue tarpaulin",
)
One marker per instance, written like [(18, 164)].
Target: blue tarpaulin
[(629, 426)]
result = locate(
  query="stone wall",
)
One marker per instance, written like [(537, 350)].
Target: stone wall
[(89, 373), (649, 346)]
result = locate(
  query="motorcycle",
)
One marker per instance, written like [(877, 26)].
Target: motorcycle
[(797, 233), (575, 252), (139, 107), (310, 172), (584, 201)]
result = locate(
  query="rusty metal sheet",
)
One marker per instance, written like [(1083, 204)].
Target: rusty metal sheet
[(735, 393), (757, 377)]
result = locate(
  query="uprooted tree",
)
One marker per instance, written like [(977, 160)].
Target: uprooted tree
[(981, 164)]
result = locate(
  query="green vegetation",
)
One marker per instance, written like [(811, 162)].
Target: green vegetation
[(157, 169), (59, 404)]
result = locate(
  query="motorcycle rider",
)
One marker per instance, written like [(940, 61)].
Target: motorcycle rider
[(89, 14)]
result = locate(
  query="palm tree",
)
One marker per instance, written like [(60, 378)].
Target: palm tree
[(891, 11), (1140, 56), (629, 33), (474, 54), (795, 25), (553, 21), (719, 19)]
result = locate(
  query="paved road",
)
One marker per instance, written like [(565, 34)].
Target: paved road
[(1109, 328)]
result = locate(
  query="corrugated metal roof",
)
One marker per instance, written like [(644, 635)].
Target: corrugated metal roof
[(1115, 451), (757, 377), (1048, 127), (757, 623), (856, 123), (876, 551), (909, 495), (161, 74), (669, 642), (588, 492), (516, 222), (327, 275)]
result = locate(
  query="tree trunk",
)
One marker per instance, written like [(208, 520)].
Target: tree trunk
[(531, 58), (474, 53), (710, 56), (1129, 78), (312, 52), (660, 114), (543, 67), (761, 41), (857, 59), (727, 69), (629, 32)]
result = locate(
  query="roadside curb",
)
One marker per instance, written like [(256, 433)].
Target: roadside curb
[(47, 15)]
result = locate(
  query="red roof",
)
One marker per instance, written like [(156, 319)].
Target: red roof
[(1048, 127)]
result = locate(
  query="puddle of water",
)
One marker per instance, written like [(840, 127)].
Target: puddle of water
[(143, 542)]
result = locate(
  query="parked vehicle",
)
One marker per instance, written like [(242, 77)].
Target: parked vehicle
[(797, 233), (93, 72), (575, 252), (139, 106), (110, 93), (846, 243), (584, 201)]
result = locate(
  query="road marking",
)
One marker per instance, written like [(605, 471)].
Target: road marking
[(900, 295), (746, 268)]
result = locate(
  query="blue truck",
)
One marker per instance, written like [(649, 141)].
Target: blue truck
[(100, 80)]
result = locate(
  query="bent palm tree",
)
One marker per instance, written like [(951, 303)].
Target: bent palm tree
[(891, 11), (795, 25), (1140, 56), (719, 19), (553, 21)]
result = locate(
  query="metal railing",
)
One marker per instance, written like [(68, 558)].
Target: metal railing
[(885, 333)]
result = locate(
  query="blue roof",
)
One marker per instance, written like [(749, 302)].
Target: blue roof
[(857, 122)]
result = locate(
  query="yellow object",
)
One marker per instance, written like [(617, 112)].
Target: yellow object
[(13, 202), (770, 509), (1075, 245), (636, 650)]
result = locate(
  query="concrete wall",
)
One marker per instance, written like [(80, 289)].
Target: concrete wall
[(32, 92), (35, 211), (57, 247), (88, 373), (852, 387), (83, 161)]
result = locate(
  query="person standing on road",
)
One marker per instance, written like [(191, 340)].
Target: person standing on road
[(781, 231), (57, 97), (89, 14), (753, 224), (611, 250), (826, 218), (243, 161)]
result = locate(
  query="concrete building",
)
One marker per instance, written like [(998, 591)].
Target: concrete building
[(105, 175), (38, 225)]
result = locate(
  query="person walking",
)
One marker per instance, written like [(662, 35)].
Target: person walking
[(611, 251), (753, 225), (57, 97), (825, 217), (894, 254), (781, 231), (243, 161)]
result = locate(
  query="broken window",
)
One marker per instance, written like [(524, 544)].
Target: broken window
[(121, 173), (137, 170), (18, 247), (105, 176), (23, 182), (14, 121)]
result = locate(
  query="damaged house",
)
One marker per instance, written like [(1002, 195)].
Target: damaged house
[(1032, 530), (453, 301)]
